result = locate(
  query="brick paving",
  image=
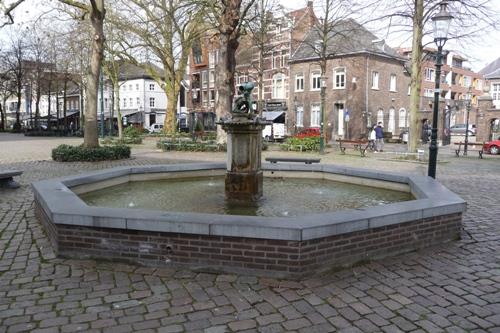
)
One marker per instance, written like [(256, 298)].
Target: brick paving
[(451, 288)]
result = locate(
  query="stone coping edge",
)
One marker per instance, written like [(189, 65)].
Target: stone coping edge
[(63, 206)]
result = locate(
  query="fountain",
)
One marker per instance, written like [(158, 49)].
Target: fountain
[(277, 244), (244, 139)]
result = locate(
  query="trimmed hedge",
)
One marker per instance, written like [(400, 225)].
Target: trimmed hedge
[(310, 143), (67, 153)]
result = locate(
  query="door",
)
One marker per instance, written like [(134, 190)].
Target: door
[(152, 119), (392, 121), (340, 121)]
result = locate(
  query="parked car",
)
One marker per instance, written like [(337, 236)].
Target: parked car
[(459, 129), (156, 128), (492, 147)]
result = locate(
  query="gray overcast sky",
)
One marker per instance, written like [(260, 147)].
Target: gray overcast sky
[(480, 54)]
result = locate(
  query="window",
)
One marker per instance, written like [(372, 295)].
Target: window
[(339, 77), (428, 93), (299, 117), (197, 52), (151, 101), (392, 120), (204, 79), (284, 58), (151, 86), (495, 91), (138, 101), (276, 60), (130, 87), (315, 115), (212, 95), (392, 83), (278, 86), (137, 86), (211, 59), (131, 102), (124, 102), (429, 74), (380, 116), (124, 87), (467, 81), (212, 77), (402, 118), (315, 80), (299, 82), (374, 80)]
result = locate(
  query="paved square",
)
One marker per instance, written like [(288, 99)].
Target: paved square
[(451, 288)]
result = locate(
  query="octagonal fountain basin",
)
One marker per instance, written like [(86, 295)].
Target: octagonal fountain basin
[(311, 218)]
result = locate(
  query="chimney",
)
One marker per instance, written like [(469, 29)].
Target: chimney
[(310, 4)]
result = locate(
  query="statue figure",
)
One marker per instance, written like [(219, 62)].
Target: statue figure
[(243, 103)]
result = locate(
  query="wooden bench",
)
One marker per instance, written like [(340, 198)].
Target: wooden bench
[(359, 145), (293, 159), (7, 178), (471, 146)]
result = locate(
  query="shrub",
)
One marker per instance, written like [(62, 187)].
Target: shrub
[(132, 132), (67, 153), (307, 143)]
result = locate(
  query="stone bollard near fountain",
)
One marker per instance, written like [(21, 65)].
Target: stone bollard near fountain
[(244, 127)]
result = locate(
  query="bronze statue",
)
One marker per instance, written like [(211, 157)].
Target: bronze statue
[(243, 103)]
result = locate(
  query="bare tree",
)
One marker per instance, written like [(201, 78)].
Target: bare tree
[(261, 40), (471, 19), (7, 89), (14, 59), (111, 67), (160, 32), (333, 33), (93, 10), (227, 18)]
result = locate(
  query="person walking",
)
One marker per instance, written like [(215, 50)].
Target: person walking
[(372, 137), (379, 135)]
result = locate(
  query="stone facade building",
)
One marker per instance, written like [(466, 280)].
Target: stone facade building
[(458, 85), (365, 80), (488, 120), (285, 34)]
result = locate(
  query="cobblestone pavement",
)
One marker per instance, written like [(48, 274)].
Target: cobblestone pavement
[(451, 288)]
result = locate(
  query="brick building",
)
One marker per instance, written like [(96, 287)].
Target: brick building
[(488, 124), (285, 34), (456, 79), (366, 79)]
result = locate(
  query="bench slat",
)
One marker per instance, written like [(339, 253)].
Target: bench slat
[(293, 159)]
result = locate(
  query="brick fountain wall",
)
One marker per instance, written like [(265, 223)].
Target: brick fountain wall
[(250, 255)]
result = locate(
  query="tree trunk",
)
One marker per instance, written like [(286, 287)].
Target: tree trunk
[(116, 105), (416, 76), (49, 108), (17, 125), (37, 106), (65, 107), (225, 79), (58, 114), (91, 138), (171, 111), (2, 118)]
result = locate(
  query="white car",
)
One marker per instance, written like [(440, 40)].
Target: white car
[(156, 128)]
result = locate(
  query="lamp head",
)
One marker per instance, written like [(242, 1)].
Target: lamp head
[(441, 22)]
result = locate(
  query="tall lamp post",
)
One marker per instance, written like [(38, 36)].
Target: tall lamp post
[(441, 22), (322, 136), (101, 88), (467, 107)]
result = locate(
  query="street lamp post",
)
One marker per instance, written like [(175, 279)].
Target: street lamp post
[(322, 142), (467, 106), (441, 22)]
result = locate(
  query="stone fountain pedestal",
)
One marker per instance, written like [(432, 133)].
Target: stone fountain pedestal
[(244, 146)]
